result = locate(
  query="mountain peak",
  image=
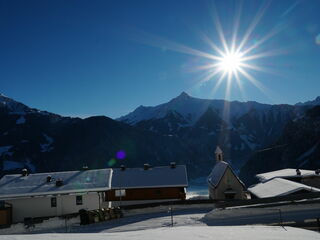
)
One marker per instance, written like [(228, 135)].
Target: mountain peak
[(3, 96), (12, 105), (183, 95)]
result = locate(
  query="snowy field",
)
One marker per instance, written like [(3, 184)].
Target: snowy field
[(185, 233)]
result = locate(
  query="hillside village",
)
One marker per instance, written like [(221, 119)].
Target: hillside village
[(98, 195)]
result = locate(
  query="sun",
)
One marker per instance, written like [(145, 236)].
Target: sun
[(232, 58), (230, 63)]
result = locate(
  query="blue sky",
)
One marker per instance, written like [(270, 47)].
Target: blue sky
[(82, 58)]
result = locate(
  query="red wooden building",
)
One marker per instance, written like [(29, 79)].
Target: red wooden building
[(148, 184)]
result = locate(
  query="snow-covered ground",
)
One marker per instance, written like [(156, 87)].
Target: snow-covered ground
[(268, 215), (185, 233), (146, 224), (138, 219)]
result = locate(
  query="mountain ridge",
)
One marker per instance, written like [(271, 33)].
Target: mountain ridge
[(247, 126), (147, 112), (43, 141)]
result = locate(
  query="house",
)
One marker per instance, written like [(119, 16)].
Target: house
[(223, 182), (276, 187), (147, 184), (61, 193), (307, 177), (55, 193)]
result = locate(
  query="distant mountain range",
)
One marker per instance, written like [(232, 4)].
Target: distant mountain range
[(42, 141), (185, 130), (238, 127)]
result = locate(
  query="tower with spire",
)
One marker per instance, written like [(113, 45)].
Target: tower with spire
[(219, 154), (223, 182)]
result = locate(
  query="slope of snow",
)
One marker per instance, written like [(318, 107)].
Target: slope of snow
[(247, 140), (283, 173), (279, 187), (186, 233), (46, 147), (247, 215), (21, 120), (12, 105)]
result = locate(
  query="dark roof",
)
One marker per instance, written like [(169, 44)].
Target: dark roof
[(153, 177)]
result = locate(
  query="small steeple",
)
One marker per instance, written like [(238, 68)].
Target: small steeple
[(219, 154)]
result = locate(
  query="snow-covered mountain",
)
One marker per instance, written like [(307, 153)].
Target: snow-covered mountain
[(185, 130), (239, 127), (191, 109), (314, 102), (12, 105), (42, 141)]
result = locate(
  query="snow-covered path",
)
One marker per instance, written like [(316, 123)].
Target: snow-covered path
[(185, 233)]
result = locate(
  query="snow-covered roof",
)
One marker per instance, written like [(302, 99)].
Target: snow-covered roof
[(153, 177), (279, 187), (16, 185), (217, 173), (284, 173)]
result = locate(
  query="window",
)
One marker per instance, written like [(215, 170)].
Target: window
[(79, 200), (53, 202), (120, 193)]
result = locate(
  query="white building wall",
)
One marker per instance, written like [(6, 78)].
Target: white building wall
[(136, 202), (41, 206), (228, 180)]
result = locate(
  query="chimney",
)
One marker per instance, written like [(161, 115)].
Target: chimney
[(59, 182), (317, 171), (24, 172), (49, 178), (85, 168), (122, 168), (172, 165), (298, 172), (146, 166), (219, 154)]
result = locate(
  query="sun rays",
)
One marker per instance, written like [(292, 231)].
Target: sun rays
[(232, 58), (237, 57)]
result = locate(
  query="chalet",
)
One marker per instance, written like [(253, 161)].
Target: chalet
[(307, 177), (223, 182), (60, 193), (147, 184), (55, 193), (279, 187)]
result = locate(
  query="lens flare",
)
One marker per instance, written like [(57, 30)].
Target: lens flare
[(112, 162), (121, 154)]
